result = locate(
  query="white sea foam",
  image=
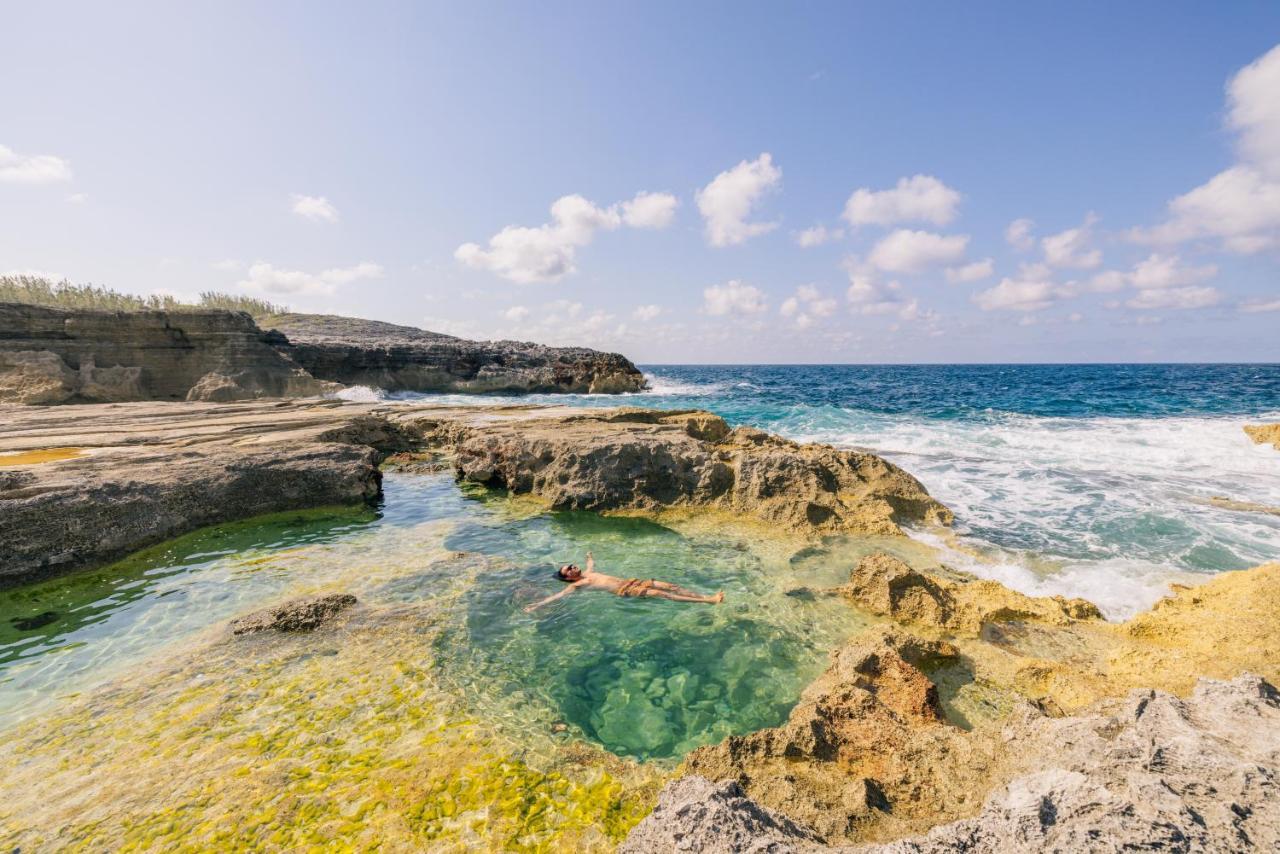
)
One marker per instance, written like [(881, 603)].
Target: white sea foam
[(358, 394)]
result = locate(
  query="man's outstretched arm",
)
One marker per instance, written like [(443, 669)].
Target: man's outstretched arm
[(536, 605)]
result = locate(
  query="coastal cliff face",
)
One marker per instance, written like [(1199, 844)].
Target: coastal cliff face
[(401, 358), (51, 355)]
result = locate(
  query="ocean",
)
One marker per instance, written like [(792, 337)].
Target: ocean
[(1083, 480)]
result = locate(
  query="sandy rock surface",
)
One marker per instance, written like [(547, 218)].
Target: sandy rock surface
[(1263, 434), (298, 615)]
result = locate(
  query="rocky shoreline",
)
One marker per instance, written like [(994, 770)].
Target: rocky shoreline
[(59, 356), (966, 717)]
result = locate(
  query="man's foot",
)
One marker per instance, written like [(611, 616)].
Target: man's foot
[(718, 598)]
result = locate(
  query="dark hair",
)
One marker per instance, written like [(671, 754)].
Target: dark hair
[(561, 570)]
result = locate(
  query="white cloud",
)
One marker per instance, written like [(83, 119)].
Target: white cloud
[(547, 253), (1108, 281), (807, 306), (906, 251), (1257, 306), (1018, 234), (646, 312), (267, 278), (1191, 297), (974, 272), (817, 235), (867, 296), (650, 210), (920, 198), (78, 198), (733, 297), (18, 168), (1239, 206), (314, 208), (228, 265), (1070, 248), (1168, 271), (1032, 290), (731, 197), (516, 313)]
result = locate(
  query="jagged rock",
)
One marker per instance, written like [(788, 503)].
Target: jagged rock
[(885, 585), (52, 355), (654, 461), (1264, 433), (694, 814), (299, 615), (1150, 772), (401, 358)]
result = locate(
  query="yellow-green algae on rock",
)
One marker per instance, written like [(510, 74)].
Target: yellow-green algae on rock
[(334, 741)]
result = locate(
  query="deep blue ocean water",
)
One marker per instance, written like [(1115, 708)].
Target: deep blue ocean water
[(1090, 480)]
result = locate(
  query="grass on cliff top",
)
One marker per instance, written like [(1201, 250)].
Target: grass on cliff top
[(37, 290)]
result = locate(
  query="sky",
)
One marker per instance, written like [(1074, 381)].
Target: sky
[(680, 182)]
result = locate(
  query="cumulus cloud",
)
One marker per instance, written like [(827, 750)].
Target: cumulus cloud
[(1240, 206), (817, 235), (1071, 248), (1018, 234), (1031, 290), (650, 210), (646, 312), (18, 168), (1168, 271), (974, 272), (267, 278), (733, 297), (920, 198), (866, 295), (907, 251), (516, 313), (732, 196), (1258, 306), (547, 253), (78, 198), (314, 208), (806, 306)]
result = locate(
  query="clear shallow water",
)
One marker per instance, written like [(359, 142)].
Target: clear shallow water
[(644, 679), (1088, 480)]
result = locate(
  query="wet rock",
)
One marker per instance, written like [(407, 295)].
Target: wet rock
[(401, 358), (885, 585), (299, 615), (1263, 434), (654, 461)]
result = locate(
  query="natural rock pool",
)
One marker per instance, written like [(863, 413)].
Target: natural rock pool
[(439, 704)]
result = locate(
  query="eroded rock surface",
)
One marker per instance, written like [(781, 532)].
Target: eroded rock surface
[(888, 587), (655, 461), (1263, 434), (52, 355), (401, 358), (298, 615)]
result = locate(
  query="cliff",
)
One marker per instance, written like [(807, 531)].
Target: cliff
[(53, 355), (401, 358)]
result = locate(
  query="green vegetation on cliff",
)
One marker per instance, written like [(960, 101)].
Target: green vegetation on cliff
[(38, 290)]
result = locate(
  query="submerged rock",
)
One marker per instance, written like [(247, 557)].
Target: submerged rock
[(299, 615), (643, 460), (352, 351)]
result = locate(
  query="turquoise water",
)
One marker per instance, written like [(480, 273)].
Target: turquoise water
[(643, 678), (1084, 480)]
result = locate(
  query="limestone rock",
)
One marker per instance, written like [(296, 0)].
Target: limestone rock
[(401, 358), (298, 615), (885, 585), (109, 356), (1264, 433), (696, 815), (654, 461)]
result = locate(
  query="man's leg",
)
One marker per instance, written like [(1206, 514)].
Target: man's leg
[(674, 588), (659, 593)]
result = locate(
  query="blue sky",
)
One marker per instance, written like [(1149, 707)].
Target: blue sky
[(366, 160)]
